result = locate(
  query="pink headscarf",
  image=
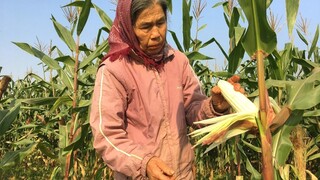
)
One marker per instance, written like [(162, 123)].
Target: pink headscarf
[(123, 41)]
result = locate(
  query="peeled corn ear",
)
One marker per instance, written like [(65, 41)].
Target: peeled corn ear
[(238, 101), (219, 129)]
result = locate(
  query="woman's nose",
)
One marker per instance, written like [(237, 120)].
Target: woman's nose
[(155, 34)]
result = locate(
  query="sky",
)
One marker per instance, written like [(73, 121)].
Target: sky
[(29, 21)]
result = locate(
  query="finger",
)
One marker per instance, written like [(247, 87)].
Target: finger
[(215, 90), (166, 169), (236, 86), (234, 79)]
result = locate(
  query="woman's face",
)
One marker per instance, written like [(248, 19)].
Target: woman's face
[(150, 29)]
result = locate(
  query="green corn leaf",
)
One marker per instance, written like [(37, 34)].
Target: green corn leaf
[(64, 34), (43, 57), (175, 39), (46, 149), (234, 22), (78, 141), (305, 63), (315, 113), (64, 131), (66, 60), (314, 43), (259, 35), (202, 27), (302, 38), (311, 153), (169, 2), (83, 17), (104, 17), (28, 126), (298, 98), (39, 101), (292, 7), (55, 173), (269, 2), (186, 24), (254, 173), (311, 175), (235, 58), (195, 55), (239, 31), (218, 4), (66, 80), (63, 100), (97, 52), (281, 140), (7, 117), (13, 158), (252, 146), (75, 4), (24, 142)]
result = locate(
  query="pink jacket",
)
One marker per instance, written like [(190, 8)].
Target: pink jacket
[(138, 113)]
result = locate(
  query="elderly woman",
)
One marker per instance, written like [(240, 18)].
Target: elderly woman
[(145, 97)]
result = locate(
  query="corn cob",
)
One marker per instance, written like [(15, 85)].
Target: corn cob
[(219, 129)]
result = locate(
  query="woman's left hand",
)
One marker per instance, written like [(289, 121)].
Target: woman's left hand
[(219, 104)]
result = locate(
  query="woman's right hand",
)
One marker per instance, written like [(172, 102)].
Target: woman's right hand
[(157, 169)]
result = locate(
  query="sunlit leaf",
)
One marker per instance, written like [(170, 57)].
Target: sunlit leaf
[(97, 52), (314, 43), (63, 100), (175, 39), (64, 34), (83, 17), (302, 38), (306, 63), (312, 176), (43, 57), (66, 60), (298, 98), (219, 45), (315, 113), (235, 58), (104, 17), (186, 24), (233, 22), (39, 101), (169, 2), (66, 80), (259, 35), (195, 55), (292, 7)]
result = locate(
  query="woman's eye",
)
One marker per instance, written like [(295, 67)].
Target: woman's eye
[(145, 27)]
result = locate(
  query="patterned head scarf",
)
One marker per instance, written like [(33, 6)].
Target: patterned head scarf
[(123, 41)]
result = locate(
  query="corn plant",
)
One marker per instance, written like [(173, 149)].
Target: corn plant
[(44, 122), (259, 42), (55, 113)]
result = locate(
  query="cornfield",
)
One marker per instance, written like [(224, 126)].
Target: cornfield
[(45, 131)]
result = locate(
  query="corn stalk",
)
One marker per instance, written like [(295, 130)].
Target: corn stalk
[(259, 41)]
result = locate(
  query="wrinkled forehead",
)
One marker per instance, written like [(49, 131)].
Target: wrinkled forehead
[(151, 15)]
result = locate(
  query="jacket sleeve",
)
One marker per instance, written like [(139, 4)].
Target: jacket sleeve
[(197, 105), (107, 120)]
